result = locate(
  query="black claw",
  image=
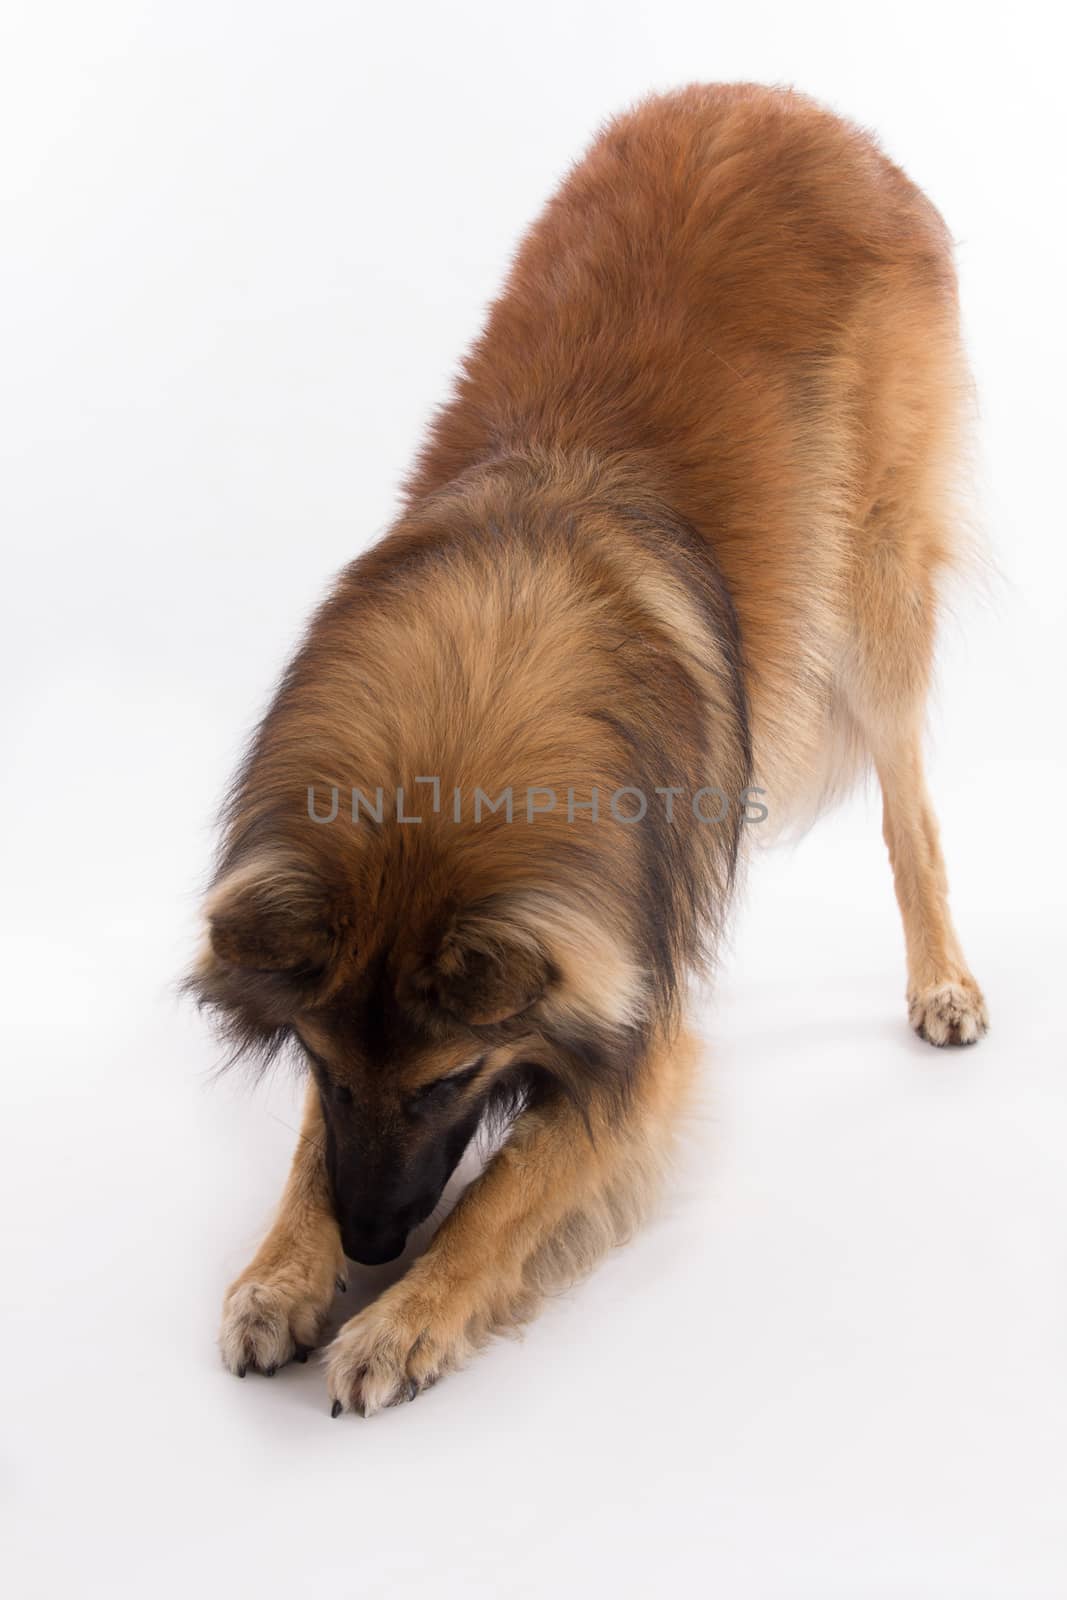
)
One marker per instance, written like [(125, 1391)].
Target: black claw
[(241, 1371), (336, 1409), (268, 1372), (413, 1389), (340, 1284), (301, 1352)]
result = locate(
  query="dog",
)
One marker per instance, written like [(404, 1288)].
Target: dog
[(667, 568)]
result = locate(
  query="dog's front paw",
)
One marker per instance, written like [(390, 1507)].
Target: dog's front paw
[(266, 1323), (949, 1013), (392, 1351)]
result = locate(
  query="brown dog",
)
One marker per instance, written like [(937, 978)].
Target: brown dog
[(668, 563)]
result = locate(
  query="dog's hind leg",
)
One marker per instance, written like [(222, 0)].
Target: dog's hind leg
[(905, 542), (557, 1195), (945, 1004), (276, 1309)]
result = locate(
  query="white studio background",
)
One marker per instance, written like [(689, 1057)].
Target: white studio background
[(244, 245)]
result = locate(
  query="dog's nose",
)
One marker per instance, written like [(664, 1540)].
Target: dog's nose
[(372, 1247)]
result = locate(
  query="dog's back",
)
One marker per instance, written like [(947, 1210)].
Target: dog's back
[(738, 295)]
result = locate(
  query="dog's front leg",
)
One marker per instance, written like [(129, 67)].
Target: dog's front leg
[(276, 1309), (560, 1192)]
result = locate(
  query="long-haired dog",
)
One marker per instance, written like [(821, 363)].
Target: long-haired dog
[(668, 562)]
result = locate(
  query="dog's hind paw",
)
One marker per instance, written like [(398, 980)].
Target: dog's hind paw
[(264, 1326), (949, 1013)]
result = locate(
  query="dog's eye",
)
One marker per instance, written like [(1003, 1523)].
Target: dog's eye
[(334, 1091), (438, 1093)]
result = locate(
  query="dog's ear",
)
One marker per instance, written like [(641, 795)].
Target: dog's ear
[(275, 915), (486, 969)]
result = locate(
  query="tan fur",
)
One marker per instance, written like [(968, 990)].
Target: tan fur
[(282, 1299), (687, 518)]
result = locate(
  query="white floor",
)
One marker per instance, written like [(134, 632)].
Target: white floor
[(835, 1366)]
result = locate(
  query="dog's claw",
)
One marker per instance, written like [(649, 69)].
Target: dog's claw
[(336, 1409), (300, 1353), (241, 1371), (413, 1389), (342, 1286), (268, 1372)]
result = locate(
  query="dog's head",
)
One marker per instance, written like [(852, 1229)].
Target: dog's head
[(413, 1032)]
